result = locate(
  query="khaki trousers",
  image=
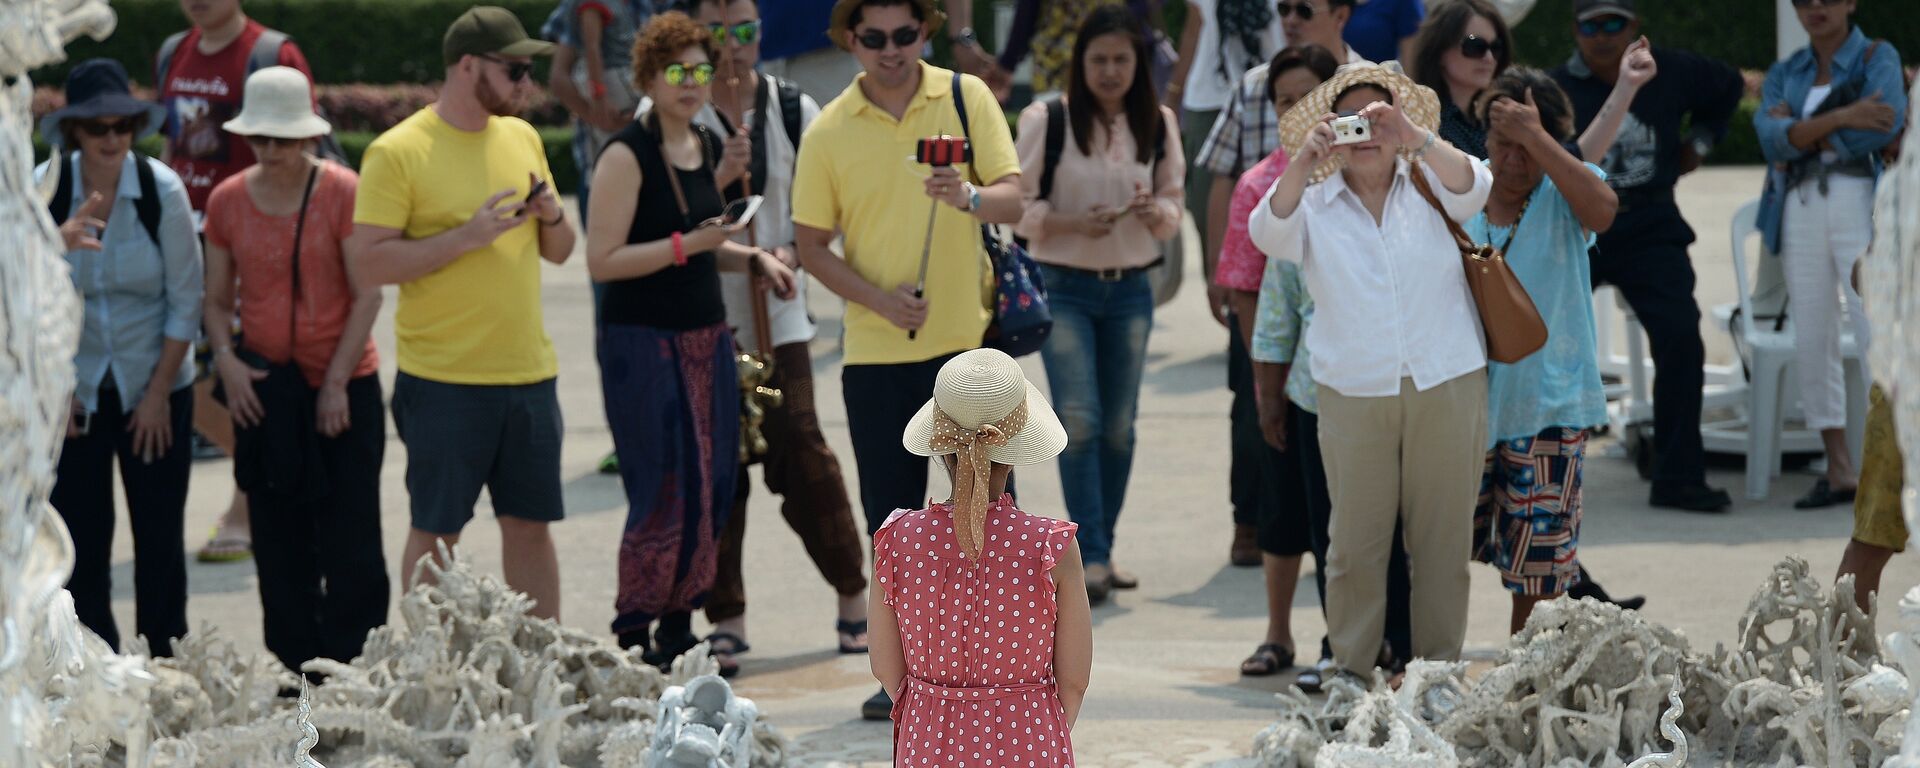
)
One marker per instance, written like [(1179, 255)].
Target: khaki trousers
[(1420, 455)]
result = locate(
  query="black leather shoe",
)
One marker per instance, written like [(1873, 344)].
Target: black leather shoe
[(1698, 498), (1823, 495), (879, 707), (1590, 588)]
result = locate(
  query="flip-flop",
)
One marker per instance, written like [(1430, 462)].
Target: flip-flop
[(724, 646), (1266, 660), (853, 629), (225, 549)]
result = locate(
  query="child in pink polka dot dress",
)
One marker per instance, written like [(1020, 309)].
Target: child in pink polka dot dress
[(981, 633)]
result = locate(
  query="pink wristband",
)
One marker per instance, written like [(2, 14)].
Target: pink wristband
[(679, 251)]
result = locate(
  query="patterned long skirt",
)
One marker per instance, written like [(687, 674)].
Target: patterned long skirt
[(673, 405)]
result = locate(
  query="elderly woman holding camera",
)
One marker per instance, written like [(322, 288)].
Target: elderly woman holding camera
[(1396, 344)]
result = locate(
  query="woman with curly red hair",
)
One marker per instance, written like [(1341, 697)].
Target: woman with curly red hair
[(666, 356)]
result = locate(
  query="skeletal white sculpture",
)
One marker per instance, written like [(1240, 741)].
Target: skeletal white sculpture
[(1890, 284), (703, 725), (1583, 684)]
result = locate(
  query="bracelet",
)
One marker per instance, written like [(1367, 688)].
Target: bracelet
[(679, 251), (557, 220), (1424, 146)]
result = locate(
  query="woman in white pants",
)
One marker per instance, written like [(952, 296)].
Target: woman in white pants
[(1831, 108)]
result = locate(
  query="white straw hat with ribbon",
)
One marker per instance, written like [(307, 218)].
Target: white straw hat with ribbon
[(984, 410), (278, 104)]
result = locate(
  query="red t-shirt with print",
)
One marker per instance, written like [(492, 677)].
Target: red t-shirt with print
[(202, 92)]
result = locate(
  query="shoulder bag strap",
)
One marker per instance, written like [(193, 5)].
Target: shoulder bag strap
[(148, 206), (1055, 147), (1466, 244), (299, 232)]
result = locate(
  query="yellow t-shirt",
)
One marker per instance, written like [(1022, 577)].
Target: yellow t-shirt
[(476, 320), (856, 175)]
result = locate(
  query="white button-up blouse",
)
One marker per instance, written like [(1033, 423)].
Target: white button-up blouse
[(1391, 299)]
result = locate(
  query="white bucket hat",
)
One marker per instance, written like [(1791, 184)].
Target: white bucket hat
[(984, 410), (278, 104)]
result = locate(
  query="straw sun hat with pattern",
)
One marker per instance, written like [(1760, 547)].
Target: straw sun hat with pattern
[(984, 410), (1416, 101)]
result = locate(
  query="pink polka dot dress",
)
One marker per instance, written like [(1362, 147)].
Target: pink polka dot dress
[(978, 639)]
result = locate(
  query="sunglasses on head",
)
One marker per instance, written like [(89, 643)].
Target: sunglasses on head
[(274, 141), (678, 74), (876, 40), (126, 126), (1284, 9), (1473, 47), (516, 70), (1611, 25), (744, 33)]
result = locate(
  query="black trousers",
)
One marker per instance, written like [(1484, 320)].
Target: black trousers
[(1645, 257), (323, 574), (880, 400), (1303, 440), (156, 510), (1247, 486)]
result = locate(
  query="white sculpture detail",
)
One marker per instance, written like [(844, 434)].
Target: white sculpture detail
[(703, 725)]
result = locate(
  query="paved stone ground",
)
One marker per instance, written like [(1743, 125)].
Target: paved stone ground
[(1165, 689)]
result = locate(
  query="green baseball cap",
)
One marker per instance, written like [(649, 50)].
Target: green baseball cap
[(490, 30)]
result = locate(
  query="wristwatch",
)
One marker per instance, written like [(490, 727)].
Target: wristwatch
[(964, 38), (973, 196)]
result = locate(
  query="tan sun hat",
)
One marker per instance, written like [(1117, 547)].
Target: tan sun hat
[(1418, 102), (278, 103), (985, 411)]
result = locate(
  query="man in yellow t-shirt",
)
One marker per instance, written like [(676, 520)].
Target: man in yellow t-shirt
[(856, 176), (456, 206)]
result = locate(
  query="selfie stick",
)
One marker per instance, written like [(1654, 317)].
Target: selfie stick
[(926, 247)]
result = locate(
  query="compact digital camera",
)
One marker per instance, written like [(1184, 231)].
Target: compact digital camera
[(942, 151), (1351, 129)]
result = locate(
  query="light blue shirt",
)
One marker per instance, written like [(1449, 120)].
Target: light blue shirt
[(136, 294), (1558, 386), (1279, 327)]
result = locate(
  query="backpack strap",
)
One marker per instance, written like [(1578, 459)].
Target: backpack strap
[(790, 111), (960, 108), (163, 61), (1056, 144), (266, 50), (147, 207)]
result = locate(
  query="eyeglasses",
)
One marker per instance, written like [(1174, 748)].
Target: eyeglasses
[(516, 70), (1611, 25), (125, 126), (876, 40), (1473, 47), (1285, 9), (677, 74), (275, 141), (744, 33)]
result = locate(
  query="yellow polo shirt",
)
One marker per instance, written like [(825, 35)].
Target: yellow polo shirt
[(856, 175), (476, 320)]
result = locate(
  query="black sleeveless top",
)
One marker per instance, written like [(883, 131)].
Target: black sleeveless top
[(675, 298)]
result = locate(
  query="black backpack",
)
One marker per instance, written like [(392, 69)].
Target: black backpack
[(265, 53), (147, 206), (1057, 144), (789, 96)]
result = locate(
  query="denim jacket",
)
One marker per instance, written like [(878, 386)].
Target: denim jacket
[(1788, 82)]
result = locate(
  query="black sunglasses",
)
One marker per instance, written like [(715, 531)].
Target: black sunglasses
[(97, 128), (876, 40), (1305, 10), (275, 141), (1611, 25), (516, 70), (1812, 3), (1473, 47)]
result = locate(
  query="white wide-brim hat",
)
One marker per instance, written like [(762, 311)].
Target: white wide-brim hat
[(979, 388), (278, 104)]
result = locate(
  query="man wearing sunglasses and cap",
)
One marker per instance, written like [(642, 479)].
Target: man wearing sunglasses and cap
[(456, 206), (1645, 253), (857, 176)]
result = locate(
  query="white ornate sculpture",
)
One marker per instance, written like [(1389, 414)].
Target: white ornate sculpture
[(1583, 684), (1890, 284), (703, 725)]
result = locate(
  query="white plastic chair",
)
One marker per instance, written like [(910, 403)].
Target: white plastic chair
[(1770, 359)]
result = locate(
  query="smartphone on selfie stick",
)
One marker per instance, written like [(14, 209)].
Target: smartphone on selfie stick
[(939, 152)]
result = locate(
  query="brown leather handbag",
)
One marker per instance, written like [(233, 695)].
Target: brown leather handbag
[(1513, 325)]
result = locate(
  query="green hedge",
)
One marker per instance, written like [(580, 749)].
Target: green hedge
[(345, 41), (558, 141), (1739, 32)]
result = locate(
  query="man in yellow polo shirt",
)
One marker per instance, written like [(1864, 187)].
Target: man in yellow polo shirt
[(856, 176), (456, 206)]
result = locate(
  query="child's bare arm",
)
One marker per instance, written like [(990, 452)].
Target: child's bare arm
[(883, 642), (1072, 633)]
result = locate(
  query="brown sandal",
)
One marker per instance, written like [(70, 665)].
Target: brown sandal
[(1266, 660)]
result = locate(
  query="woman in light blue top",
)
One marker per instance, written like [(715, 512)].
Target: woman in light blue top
[(136, 262), (1545, 206), (1827, 112)]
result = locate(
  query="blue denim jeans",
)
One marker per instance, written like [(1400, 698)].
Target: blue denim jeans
[(1094, 358)]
